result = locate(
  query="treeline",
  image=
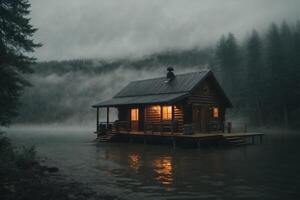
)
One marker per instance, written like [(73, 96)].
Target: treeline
[(262, 74), (189, 58)]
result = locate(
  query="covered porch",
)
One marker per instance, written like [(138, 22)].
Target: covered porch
[(162, 119), (143, 118)]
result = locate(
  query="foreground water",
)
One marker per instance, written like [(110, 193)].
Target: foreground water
[(134, 171)]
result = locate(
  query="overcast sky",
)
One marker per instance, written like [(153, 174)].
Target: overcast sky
[(108, 29)]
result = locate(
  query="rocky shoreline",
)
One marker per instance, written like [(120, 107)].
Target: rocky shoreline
[(23, 177)]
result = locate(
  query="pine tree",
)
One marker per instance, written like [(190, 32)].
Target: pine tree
[(276, 66), (16, 42), (227, 55), (294, 105), (288, 75), (254, 78)]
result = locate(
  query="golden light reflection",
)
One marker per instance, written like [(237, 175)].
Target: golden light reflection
[(134, 161), (164, 170)]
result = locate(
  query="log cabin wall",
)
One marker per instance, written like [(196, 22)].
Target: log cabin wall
[(152, 114), (204, 95), (187, 113), (207, 97), (141, 117), (179, 117)]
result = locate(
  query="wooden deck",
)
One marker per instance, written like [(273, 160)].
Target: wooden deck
[(193, 140)]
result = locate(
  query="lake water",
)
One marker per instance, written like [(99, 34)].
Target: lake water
[(134, 171)]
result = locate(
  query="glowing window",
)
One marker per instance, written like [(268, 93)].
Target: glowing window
[(156, 109), (215, 112), (134, 114), (167, 112)]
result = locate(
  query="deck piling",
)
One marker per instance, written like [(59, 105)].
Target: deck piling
[(176, 139)]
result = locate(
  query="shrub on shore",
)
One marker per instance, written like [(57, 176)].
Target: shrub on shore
[(22, 177)]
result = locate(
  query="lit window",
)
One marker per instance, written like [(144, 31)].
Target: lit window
[(134, 114), (156, 109), (167, 113), (215, 112)]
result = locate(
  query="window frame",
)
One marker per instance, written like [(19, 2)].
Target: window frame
[(216, 112), (136, 114), (167, 113)]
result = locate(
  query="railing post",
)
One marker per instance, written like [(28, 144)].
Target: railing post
[(107, 117), (97, 122)]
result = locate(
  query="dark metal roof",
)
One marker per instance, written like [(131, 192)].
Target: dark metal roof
[(148, 99), (181, 83), (158, 90)]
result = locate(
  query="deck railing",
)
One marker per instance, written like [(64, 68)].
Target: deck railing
[(104, 127), (163, 126), (121, 126), (125, 126)]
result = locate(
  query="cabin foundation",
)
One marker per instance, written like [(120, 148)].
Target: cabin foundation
[(192, 141)]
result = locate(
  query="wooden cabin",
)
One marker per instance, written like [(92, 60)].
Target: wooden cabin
[(176, 103)]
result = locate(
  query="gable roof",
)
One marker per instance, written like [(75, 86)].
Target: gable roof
[(182, 83), (157, 90), (148, 99)]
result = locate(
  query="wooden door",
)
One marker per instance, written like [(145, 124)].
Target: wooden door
[(204, 114), (200, 118), (134, 119), (196, 118)]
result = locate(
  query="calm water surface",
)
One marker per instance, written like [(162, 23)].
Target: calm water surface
[(133, 171)]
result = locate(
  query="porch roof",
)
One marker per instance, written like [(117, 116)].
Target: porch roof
[(147, 99)]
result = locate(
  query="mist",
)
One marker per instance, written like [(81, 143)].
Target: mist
[(112, 29), (67, 97)]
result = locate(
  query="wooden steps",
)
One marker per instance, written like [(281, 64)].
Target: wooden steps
[(105, 138), (235, 141)]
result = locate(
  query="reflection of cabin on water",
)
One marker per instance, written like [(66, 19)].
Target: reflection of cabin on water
[(184, 103)]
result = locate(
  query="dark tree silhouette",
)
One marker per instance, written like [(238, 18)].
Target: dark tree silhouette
[(254, 101), (276, 67), (16, 42), (228, 59)]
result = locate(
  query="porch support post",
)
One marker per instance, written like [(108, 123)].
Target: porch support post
[(161, 119), (173, 122), (173, 112), (161, 113), (107, 116), (97, 123)]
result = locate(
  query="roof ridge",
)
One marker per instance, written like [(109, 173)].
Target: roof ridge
[(183, 74), (183, 92)]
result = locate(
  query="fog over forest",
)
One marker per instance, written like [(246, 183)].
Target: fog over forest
[(260, 74), (91, 49), (66, 96)]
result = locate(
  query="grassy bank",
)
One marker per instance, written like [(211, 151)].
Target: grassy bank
[(23, 177)]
